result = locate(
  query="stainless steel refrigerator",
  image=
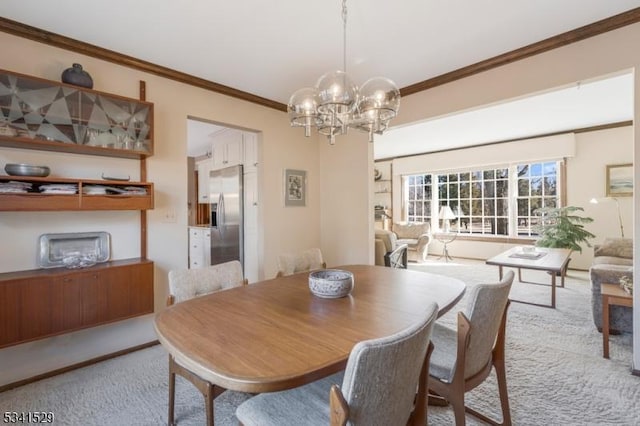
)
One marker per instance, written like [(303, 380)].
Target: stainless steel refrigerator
[(225, 187)]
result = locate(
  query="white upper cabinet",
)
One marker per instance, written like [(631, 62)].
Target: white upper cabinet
[(227, 149)]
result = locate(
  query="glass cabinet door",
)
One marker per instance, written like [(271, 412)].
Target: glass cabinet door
[(41, 110)]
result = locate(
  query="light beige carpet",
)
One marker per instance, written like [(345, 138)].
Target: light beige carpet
[(555, 371)]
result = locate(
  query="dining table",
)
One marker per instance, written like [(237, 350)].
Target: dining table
[(275, 334)]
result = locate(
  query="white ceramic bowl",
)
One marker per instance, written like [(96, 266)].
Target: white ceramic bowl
[(331, 283)]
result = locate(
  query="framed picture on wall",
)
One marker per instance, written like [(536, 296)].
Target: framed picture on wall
[(620, 180), (295, 187)]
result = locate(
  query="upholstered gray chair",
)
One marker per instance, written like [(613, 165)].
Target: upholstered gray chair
[(379, 386), (306, 260), (463, 359), (186, 284)]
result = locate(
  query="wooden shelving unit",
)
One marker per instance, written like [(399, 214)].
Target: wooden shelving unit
[(45, 115), (36, 201)]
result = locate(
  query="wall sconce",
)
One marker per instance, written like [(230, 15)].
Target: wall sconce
[(609, 200)]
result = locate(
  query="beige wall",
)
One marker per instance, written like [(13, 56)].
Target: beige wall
[(586, 179), (283, 229)]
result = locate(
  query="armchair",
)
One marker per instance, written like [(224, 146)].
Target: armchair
[(417, 236), (387, 250), (613, 259)]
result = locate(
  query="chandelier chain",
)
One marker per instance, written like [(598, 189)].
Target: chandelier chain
[(336, 104), (344, 35)]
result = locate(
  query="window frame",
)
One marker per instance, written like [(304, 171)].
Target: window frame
[(511, 200)]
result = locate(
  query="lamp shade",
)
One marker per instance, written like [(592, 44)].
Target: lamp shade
[(446, 213)]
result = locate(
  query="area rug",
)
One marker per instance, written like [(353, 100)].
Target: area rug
[(555, 371)]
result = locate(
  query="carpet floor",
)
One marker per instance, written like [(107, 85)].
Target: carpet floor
[(555, 371)]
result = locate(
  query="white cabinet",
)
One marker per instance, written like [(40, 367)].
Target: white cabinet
[(199, 247), (250, 141), (251, 253), (203, 168), (227, 149)]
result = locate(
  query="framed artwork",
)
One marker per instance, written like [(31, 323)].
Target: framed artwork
[(295, 187), (620, 180)]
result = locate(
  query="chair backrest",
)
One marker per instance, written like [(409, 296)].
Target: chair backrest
[(381, 377), (388, 238), (486, 306), (411, 230), (186, 284), (307, 260)]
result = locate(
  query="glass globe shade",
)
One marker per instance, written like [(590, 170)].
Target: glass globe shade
[(303, 106), (336, 93), (379, 97)]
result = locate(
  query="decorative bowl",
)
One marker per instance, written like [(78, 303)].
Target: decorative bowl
[(26, 170), (330, 283)]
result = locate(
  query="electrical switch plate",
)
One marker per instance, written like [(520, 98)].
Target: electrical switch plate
[(169, 216)]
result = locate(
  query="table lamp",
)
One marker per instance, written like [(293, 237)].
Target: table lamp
[(446, 214), (609, 200)]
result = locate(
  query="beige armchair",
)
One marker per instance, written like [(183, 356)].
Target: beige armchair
[(417, 236), (387, 250)]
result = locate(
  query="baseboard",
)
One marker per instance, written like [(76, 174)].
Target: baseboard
[(76, 366)]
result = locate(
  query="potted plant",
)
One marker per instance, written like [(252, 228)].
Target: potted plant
[(562, 227)]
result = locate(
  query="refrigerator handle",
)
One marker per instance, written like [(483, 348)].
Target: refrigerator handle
[(221, 212)]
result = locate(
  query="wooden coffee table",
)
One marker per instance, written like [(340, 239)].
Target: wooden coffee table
[(552, 260)]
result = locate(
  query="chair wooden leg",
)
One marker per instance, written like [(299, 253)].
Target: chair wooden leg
[(172, 392), (209, 391), (458, 410), (504, 396), (419, 414), (504, 401)]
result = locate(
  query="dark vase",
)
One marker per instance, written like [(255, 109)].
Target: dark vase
[(77, 76)]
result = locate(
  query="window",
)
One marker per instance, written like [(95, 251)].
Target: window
[(537, 187), (419, 198), (481, 198)]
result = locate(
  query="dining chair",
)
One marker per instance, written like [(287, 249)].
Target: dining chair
[(186, 284), (306, 260), (379, 386), (462, 359)]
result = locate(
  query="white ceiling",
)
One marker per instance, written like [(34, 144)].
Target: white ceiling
[(271, 48)]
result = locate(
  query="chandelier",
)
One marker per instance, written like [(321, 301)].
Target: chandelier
[(336, 103)]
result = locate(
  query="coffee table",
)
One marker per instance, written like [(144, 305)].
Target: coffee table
[(552, 260)]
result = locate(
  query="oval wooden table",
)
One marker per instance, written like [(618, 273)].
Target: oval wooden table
[(275, 335)]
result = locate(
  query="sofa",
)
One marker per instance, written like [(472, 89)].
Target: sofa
[(417, 236), (612, 260), (387, 250)]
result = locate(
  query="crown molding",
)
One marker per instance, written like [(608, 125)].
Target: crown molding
[(67, 43), (605, 25)]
